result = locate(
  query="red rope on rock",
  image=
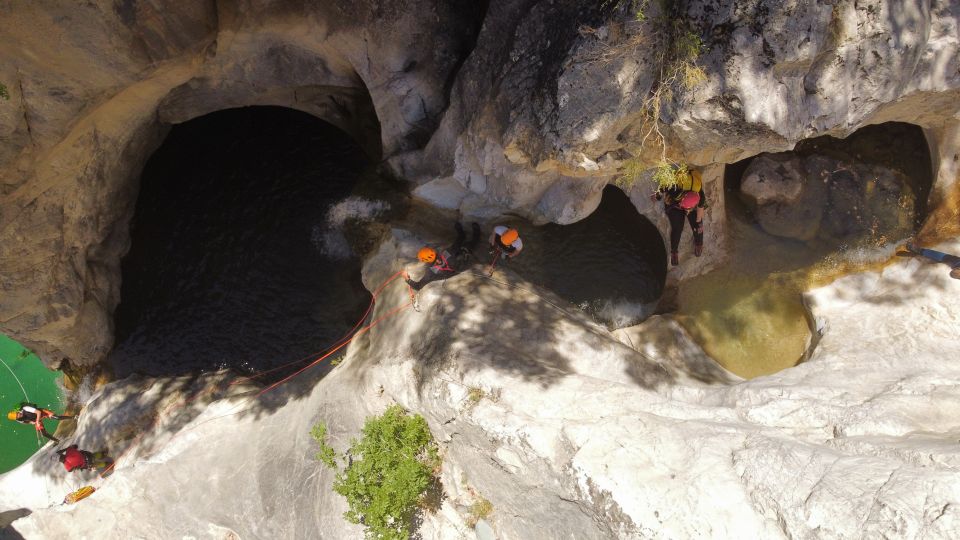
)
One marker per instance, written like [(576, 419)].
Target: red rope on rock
[(342, 342)]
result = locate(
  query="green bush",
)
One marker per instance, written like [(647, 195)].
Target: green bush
[(668, 175), (327, 455), (4, 93), (387, 473)]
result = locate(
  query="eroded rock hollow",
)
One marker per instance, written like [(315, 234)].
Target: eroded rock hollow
[(526, 110)]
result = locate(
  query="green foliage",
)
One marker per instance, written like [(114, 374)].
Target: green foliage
[(677, 48), (479, 510), (665, 175), (630, 171), (668, 175), (390, 468), (327, 455), (637, 7), (4, 93)]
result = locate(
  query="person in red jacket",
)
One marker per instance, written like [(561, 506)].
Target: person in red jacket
[(75, 459)]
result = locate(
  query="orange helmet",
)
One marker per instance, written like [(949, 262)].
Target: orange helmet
[(427, 254), (12, 415), (509, 237)]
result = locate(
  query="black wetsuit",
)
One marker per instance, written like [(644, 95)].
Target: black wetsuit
[(450, 261), (676, 216)]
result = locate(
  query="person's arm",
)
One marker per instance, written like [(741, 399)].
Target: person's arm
[(701, 208), (516, 251)]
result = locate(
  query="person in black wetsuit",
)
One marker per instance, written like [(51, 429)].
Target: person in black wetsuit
[(444, 264), (31, 414), (684, 201)]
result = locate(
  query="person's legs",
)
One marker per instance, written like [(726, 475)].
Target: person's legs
[(458, 243), (675, 216), (697, 233), (472, 245), (45, 433)]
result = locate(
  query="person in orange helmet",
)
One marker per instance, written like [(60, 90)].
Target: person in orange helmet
[(29, 413), (506, 241), (443, 264)]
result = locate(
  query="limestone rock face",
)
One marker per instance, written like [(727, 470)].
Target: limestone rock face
[(576, 432)]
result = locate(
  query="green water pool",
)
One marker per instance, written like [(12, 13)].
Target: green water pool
[(19, 366)]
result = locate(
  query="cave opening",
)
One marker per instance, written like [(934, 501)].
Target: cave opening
[(796, 220), (611, 264), (237, 259), (889, 164)]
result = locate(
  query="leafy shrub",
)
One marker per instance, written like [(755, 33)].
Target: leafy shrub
[(668, 175), (665, 175), (676, 46), (387, 472), (327, 455), (4, 93)]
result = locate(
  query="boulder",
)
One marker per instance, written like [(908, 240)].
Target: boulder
[(784, 200), (827, 198), (865, 201)]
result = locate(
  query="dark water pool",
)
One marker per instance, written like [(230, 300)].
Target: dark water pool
[(225, 268), (612, 264)]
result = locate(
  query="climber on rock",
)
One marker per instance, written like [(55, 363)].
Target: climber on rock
[(74, 459), (30, 413), (446, 263), (937, 256), (683, 200), (505, 242)]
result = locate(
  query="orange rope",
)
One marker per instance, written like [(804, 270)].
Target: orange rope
[(373, 300), (496, 257)]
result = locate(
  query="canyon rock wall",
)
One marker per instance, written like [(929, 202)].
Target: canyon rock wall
[(87, 109), (520, 105)]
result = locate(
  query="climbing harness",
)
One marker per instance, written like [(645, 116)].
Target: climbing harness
[(437, 267)]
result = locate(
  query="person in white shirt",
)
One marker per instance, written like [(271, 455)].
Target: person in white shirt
[(506, 240)]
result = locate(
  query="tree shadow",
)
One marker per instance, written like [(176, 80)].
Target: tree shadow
[(472, 322)]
